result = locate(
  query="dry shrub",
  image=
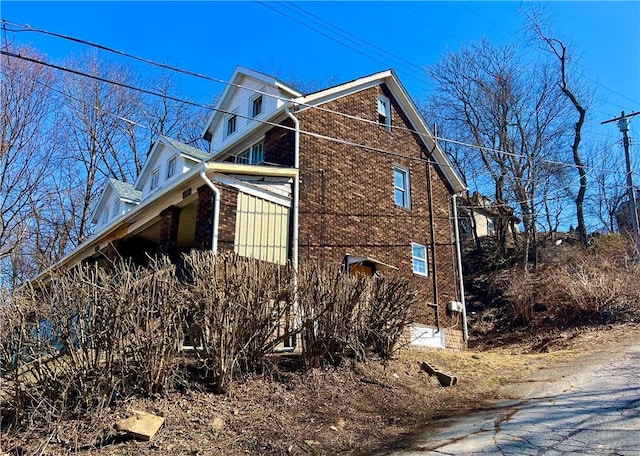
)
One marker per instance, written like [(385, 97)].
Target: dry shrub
[(595, 290), (330, 304), (236, 305), (98, 337), (388, 314), (350, 315)]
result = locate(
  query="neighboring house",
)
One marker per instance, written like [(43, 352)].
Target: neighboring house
[(623, 215), (350, 174), (479, 213)]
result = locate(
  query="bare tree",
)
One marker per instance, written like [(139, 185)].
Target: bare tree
[(25, 138), (574, 92), (507, 109)]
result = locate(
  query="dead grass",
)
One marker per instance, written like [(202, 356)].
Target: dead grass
[(359, 409)]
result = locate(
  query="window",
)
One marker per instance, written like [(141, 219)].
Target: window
[(231, 124), (419, 259), (401, 188), (155, 179), (116, 209), (254, 155), (384, 112), (256, 106), (171, 167), (491, 229), (105, 215)]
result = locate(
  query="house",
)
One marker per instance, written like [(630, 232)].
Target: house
[(623, 215), (349, 174), (479, 217)]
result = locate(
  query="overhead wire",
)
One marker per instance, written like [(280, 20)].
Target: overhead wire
[(257, 91)]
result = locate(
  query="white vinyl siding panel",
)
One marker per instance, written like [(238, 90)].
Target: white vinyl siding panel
[(262, 229), (241, 101)]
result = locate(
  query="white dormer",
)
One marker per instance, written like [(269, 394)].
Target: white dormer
[(167, 160), (117, 199), (248, 98)]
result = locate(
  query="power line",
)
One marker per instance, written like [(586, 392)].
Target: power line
[(240, 86)]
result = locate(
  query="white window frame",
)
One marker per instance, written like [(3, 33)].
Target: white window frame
[(252, 105), (419, 259), (154, 180), (406, 189), (254, 155), (384, 112), (231, 120), (171, 167), (105, 215), (491, 226)]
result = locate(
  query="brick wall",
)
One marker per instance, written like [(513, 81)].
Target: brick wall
[(347, 196), (168, 239)]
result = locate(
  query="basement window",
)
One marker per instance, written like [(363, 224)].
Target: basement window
[(419, 259)]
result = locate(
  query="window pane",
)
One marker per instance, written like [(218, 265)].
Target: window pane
[(419, 266), (419, 251), (399, 179), (256, 107), (399, 197)]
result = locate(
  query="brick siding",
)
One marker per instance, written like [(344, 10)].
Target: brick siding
[(347, 196)]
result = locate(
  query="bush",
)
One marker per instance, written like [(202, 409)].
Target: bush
[(236, 305)]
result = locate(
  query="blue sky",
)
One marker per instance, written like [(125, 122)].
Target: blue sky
[(302, 39)]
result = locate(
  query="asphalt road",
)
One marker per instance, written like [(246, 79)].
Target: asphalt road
[(592, 407)]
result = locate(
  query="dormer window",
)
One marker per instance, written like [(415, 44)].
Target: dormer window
[(256, 106), (171, 167), (384, 112), (155, 179), (231, 124), (105, 215), (116, 209)]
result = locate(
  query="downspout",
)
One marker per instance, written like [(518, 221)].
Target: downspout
[(216, 209), (465, 332), (296, 211), (433, 245)]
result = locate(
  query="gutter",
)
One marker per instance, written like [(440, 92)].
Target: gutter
[(459, 261), (216, 210)]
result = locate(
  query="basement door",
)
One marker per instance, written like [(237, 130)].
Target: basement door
[(262, 229)]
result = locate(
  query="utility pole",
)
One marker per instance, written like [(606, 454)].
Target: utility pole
[(623, 125)]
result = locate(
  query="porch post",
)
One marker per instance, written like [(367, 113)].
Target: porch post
[(168, 243), (204, 218)]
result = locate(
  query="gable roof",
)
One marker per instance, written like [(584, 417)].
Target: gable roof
[(390, 79), (185, 149), (189, 152), (234, 85), (125, 190)]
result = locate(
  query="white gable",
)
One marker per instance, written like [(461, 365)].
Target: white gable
[(249, 98), (163, 167), (111, 206)]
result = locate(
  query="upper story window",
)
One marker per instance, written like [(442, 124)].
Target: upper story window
[(232, 122), (116, 208), (419, 259), (155, 179), (256, 106), (401, 187), (171, 167), (254, 155), (105, 215), (384, 112)]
